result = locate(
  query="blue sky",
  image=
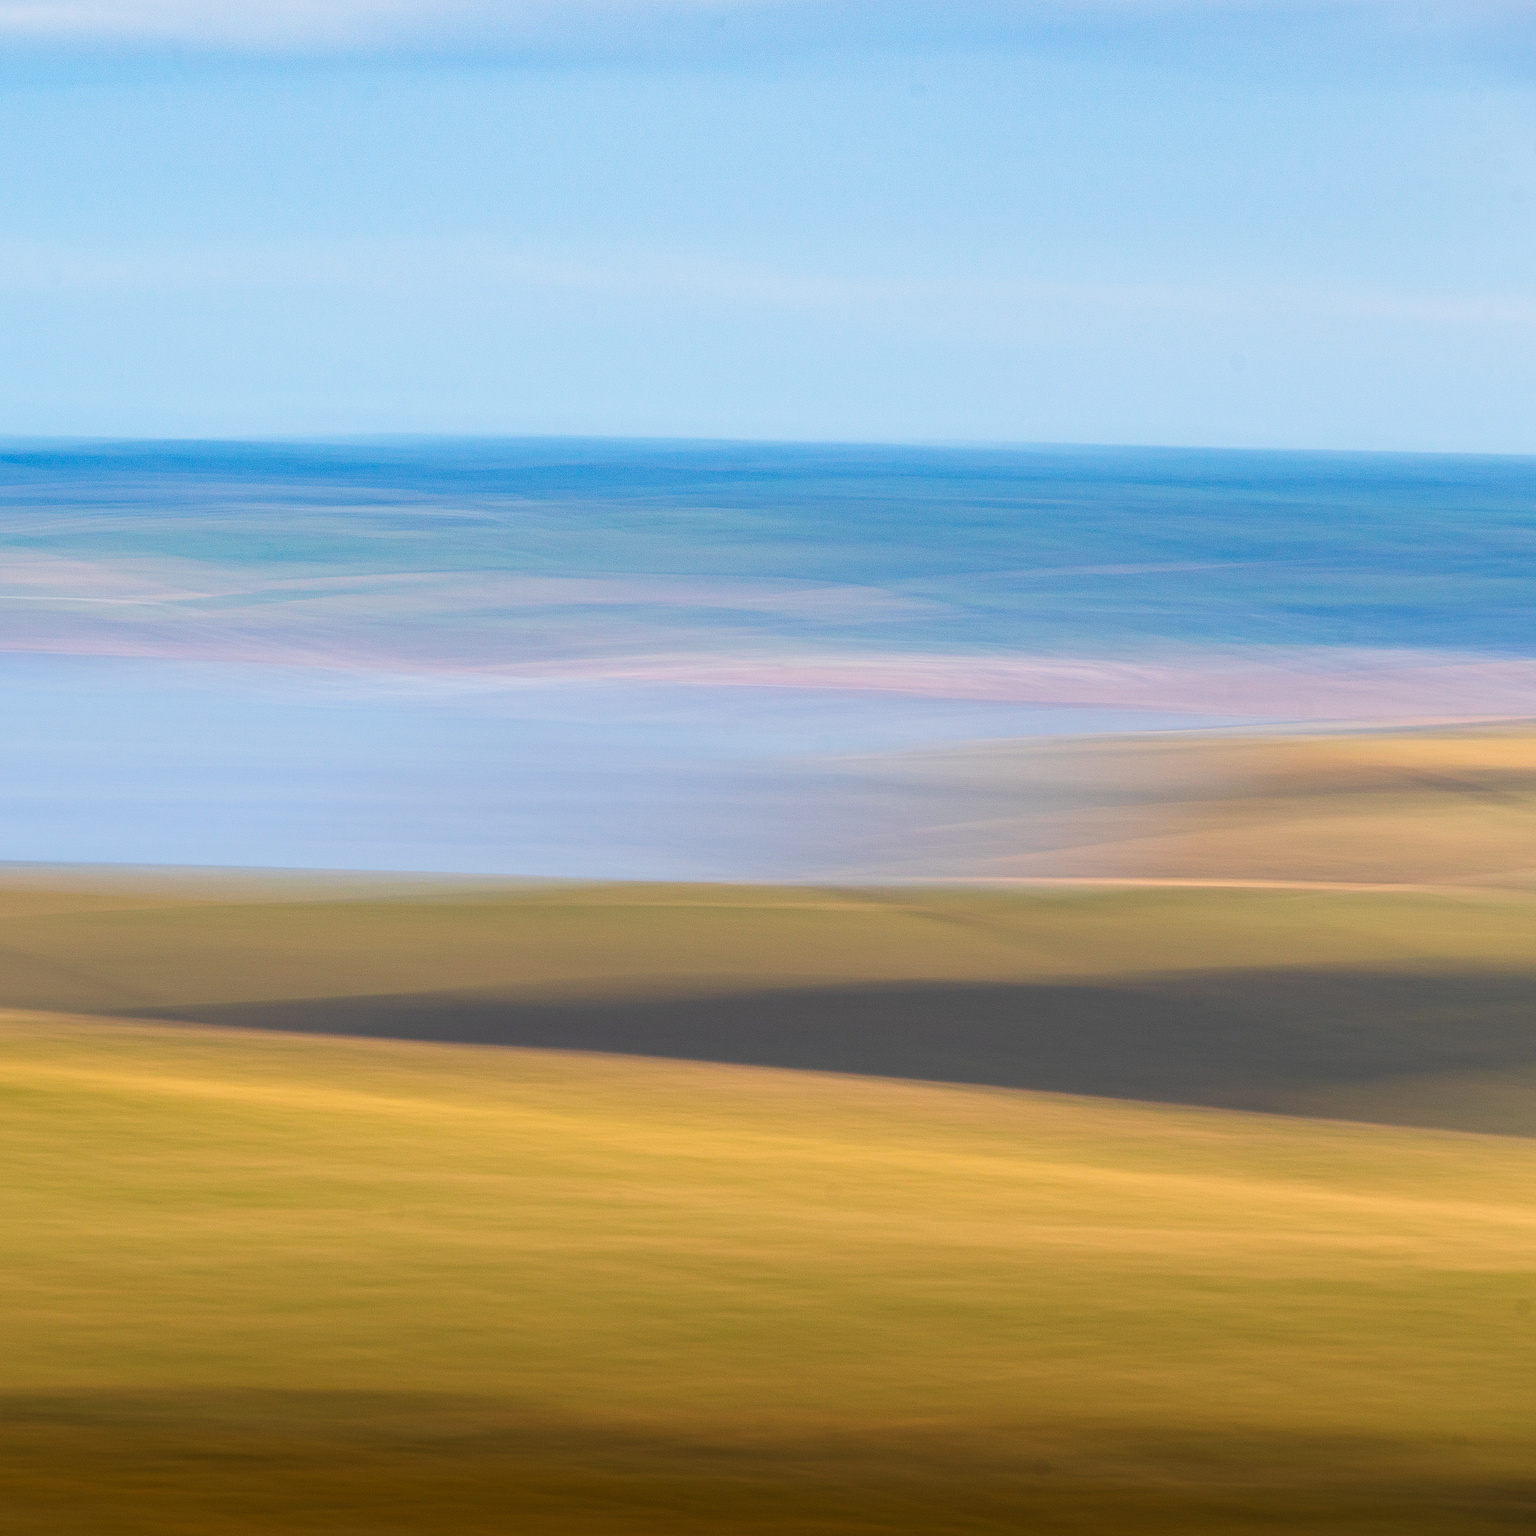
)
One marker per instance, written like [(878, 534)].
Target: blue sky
[(1206, 223)]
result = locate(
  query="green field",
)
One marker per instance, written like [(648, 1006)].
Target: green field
[(347, 1205)]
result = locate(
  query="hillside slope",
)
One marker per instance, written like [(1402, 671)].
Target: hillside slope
[(1406, 1006), (261, 1282)]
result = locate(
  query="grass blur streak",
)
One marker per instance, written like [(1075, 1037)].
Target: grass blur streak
[(262, 1282)]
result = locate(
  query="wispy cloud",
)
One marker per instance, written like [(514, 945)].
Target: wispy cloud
[(325, 23), (992, 310), (606, 26)]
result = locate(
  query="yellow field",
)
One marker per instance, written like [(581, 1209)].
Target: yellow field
[(261, 1282), (339, 1205), (1448, 806)]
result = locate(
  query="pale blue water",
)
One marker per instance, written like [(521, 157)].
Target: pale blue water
[(409, 655)]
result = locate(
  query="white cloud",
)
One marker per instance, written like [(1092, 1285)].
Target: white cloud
[(989, 311), (330, 23), (588, 26)]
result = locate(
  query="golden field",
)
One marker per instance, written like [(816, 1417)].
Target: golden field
[(346, 1205), (1455, 805), (260, 1282)]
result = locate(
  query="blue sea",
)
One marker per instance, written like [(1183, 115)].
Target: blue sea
[(608, 659)]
